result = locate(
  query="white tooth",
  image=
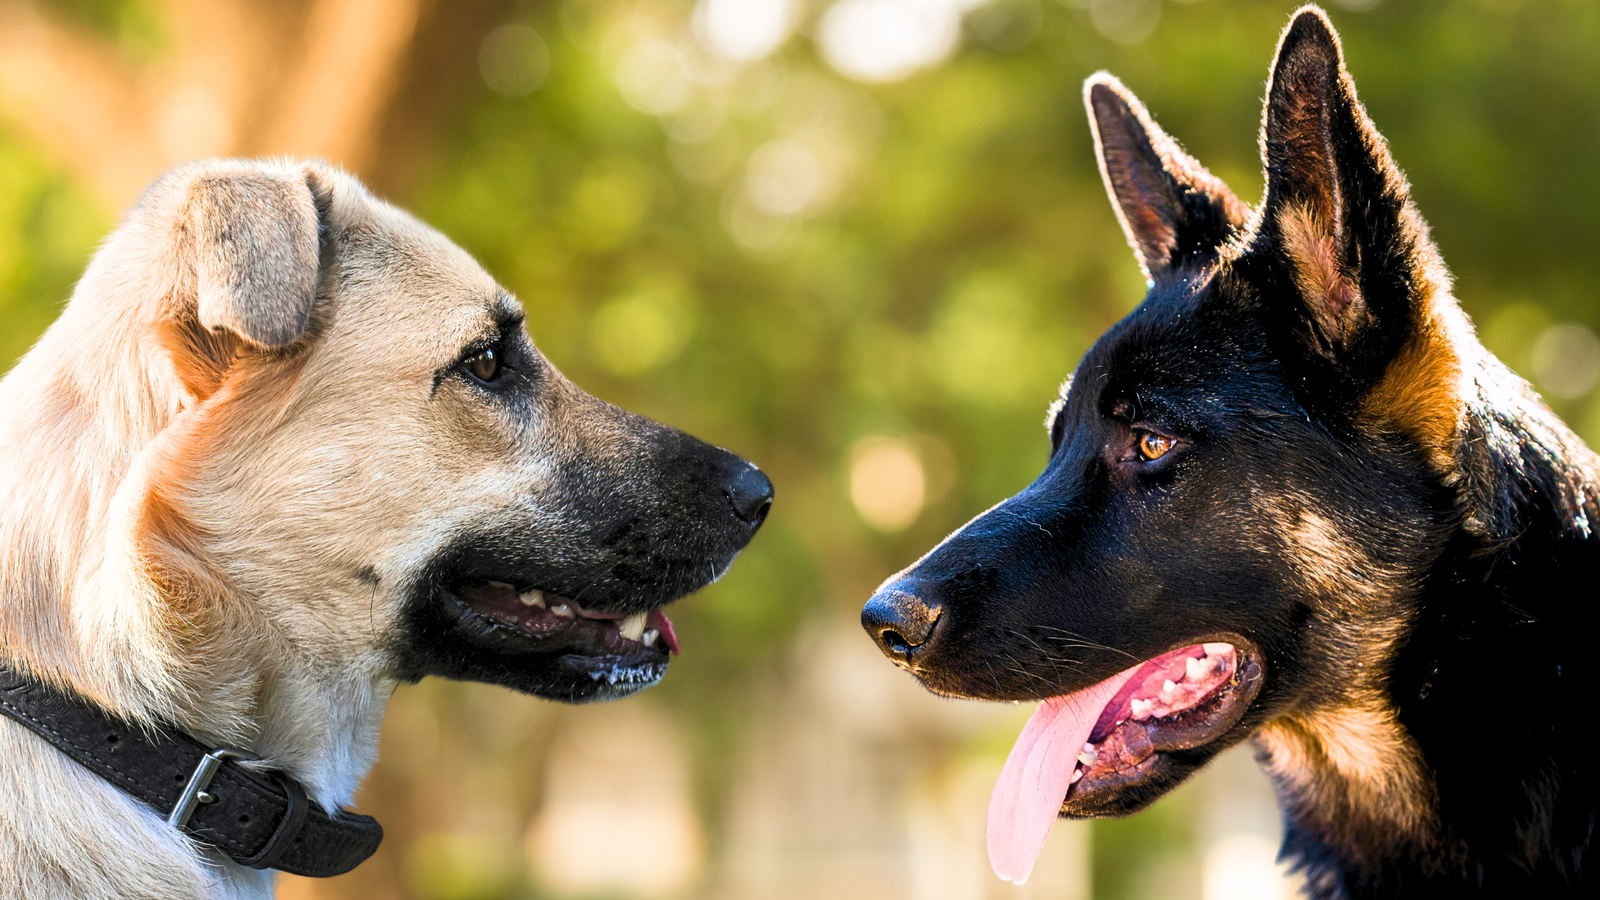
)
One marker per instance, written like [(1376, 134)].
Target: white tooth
[(1090, 748), (649, 638), (1195, 669), (1077, 775), (1216, 649), (632, 627), (1088, 756), (1141, 708), (1167, 687), (532, 598), (563, 610)]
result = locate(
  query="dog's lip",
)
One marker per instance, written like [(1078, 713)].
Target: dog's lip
[(1124, 751), (1122, 724), (513, 620)]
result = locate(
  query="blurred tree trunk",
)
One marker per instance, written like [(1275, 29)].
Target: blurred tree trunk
[(359, 83), (363, 84)]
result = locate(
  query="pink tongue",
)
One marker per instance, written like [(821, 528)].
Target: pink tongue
[(659, 621), (1027, 796)]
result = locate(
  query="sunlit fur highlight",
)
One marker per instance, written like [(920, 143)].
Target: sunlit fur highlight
[(1350, 769), (1166, 202)]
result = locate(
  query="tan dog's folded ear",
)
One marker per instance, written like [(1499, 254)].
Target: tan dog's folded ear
[(256, 248)]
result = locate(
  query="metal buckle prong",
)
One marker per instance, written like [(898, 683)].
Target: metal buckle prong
[(195, 793)]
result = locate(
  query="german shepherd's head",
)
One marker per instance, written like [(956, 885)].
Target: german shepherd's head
[(1249, 477)]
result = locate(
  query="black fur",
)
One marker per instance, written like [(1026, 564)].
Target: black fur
[(1383, 535)]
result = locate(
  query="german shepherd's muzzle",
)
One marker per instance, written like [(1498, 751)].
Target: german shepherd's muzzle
[(1290, 498)]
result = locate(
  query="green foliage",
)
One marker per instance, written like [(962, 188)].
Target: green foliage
[(131, 26), (48, 226)]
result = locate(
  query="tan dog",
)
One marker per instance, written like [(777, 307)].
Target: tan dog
[(286, 448)]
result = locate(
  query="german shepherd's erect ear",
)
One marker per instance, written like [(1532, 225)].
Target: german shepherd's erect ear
[(1173, 211), (1338, 230)]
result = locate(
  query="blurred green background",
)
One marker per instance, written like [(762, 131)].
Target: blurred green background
[(857, 241)]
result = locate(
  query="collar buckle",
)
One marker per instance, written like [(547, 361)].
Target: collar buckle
[(194, 793)]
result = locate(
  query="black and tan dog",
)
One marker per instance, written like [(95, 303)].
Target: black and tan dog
[(1290, 498)]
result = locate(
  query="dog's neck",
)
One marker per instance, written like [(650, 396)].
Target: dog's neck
[(1480, 707), (87, 412)]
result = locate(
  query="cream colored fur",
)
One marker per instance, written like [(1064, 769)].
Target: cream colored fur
[(217, 470)]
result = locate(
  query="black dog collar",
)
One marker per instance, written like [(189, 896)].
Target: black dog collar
[(259, 819)]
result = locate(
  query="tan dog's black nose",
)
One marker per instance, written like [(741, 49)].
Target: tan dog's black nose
[(750, 492), (900, 622)]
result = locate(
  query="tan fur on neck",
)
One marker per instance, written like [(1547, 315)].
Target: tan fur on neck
[(1350, 769), (1346, 766)]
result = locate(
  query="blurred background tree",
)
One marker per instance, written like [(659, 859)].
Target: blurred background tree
[(858, 241)]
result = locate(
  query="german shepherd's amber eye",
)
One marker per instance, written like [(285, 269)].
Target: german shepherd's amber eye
[(484, 365), (1154, 446)]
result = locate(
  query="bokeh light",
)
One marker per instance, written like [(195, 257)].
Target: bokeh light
[(513, 60), (785, 178), (887, 483), (617, 816), (637, 332), (1244, 867), (653, 77), (1125, 21), (884, 40), (1566, 360), (743, 30)]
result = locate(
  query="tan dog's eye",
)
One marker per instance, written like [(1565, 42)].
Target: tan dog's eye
[(484, 365), (1154, 446)]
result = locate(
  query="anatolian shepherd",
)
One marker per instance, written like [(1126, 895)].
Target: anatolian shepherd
[(285, 449)]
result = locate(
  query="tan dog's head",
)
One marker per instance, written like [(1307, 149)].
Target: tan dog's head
[(356, 453)]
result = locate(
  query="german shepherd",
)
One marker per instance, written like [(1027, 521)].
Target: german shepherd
[(1291, 499)]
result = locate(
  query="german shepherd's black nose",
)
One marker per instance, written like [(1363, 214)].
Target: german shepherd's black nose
[(900, 622), (750, 492)]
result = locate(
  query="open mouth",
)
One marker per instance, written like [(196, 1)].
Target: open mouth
[(1079, 751), (606, 646)]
